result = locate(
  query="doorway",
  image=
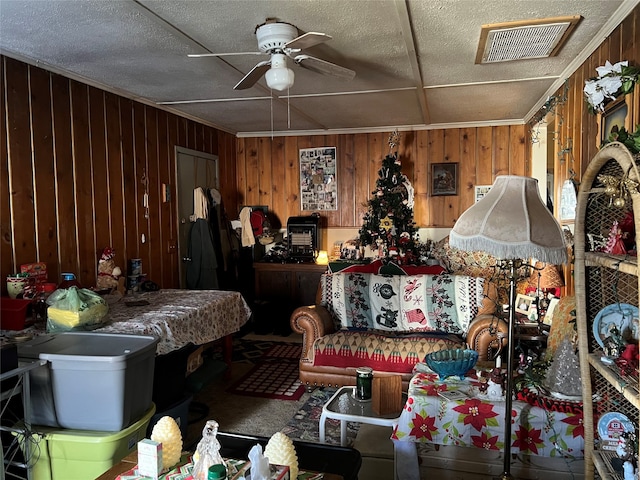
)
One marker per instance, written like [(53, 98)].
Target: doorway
[(193, 169)]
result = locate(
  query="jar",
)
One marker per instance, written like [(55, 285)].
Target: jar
[(69, 280), (43, 290), (217, 471), (364, 377)]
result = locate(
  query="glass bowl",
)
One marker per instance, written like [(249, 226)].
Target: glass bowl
[(449, 363)]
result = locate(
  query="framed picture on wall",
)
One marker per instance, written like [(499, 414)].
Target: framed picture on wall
[(444, 179), (318, 179), (481, 191), (616, 115)]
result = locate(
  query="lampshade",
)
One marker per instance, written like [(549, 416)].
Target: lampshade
[(546, 277), (279, 77), (322, 258), (511, 222)]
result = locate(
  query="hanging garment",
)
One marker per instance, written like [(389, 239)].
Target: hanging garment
[(202, 268), (200, 204), (247, 231)]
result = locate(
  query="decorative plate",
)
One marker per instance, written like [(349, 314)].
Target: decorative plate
[(612, 424), (619, 314)]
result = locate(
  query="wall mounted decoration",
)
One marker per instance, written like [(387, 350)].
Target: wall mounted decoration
[(444, 179), (318, 179), (481, 191), (616, 115)]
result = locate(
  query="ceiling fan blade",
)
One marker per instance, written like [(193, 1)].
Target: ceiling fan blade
[(324, 67), (250, 79), (198, 55), (307, 40)]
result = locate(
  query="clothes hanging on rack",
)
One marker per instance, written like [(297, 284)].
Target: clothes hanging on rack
[(201, 271)]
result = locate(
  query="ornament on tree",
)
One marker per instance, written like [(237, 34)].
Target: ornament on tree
[(386, 224)]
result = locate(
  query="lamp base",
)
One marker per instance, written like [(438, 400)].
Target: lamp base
[(504, 476)]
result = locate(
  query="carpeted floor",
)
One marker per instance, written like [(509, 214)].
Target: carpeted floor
[(254, 415)]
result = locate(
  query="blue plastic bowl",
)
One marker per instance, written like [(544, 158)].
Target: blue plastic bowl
[(449, 363)]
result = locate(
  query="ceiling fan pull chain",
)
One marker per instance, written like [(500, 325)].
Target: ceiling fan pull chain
[(271, 104), (288, 111)]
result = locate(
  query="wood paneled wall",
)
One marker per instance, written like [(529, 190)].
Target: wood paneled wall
[(269, 171), (576, 130), (72, 163), (73, 157)]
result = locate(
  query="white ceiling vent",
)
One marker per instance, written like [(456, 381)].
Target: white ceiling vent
[(503, 42)]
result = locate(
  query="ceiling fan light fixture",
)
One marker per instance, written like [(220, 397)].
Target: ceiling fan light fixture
[(279, 77)]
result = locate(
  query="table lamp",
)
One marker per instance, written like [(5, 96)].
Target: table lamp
[(513, 224), (545, 278)]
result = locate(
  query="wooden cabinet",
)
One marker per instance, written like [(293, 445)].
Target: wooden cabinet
[(603, 280), (295, 284)]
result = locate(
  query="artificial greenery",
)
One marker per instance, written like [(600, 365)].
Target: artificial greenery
[(388, 224), (612, 81), (631, 140)]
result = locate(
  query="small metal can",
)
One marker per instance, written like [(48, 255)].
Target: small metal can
[(364, 377)]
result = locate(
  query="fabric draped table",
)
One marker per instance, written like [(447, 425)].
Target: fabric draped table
[(478, 421), (179, 317)]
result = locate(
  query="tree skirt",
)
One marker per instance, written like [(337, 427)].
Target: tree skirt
[(305, 423)]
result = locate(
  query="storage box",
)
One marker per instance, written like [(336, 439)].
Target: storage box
[(92, 381), (14, 313), (65, 454)]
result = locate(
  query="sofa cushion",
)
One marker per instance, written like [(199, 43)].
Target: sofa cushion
[(404, 303), (383, 353)]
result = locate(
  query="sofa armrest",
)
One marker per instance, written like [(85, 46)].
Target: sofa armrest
[(312, 322), (487, 335)]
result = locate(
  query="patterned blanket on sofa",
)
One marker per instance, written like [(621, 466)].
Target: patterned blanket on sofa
[(403, 303)]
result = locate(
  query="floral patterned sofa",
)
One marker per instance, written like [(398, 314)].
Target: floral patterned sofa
[(391, 322)]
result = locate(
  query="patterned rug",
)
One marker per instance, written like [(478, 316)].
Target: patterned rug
[(305, 423), (274, 375)]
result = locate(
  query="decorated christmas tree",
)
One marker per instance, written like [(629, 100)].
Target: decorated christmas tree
[(388, 226)]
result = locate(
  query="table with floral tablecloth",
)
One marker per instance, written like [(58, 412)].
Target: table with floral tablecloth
[(179, 317), (478, 421)]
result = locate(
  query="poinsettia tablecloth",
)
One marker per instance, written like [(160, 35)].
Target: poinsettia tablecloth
[(179, 317), (477, 421)]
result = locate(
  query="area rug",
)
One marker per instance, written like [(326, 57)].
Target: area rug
[(274, 376), (305, 423)]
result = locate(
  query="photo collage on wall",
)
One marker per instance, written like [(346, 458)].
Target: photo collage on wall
[(318, 179)]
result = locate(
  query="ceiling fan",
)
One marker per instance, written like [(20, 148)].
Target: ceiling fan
[(280, 40)]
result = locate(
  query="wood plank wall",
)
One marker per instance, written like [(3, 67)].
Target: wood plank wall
[(575, 127), (576, 130), (269, 170), (72, 159), (72, 162)]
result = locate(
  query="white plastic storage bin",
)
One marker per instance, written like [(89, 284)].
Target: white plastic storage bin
[(92, 381)]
